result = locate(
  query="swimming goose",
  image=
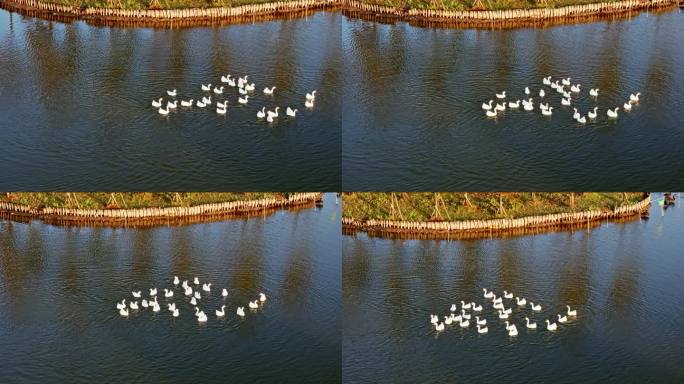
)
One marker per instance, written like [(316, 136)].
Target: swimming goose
[(476, 308), (261, 114), (508, 311), (309, 104), (137, 294), (171, 306), (157, 103), (185, 284), (144, 303), (514, 105), (535, 308), (576, 114), (530, 325), (508, 295), (571, 312), (188, 291), (311, 96), (201, 104), (528, 107), (273, 113), (547, 80), (243, 100), (513, 331), (168, 293), (491, 113), (500, 107), (565, 101), (206, 100), (197, 295), (503, 315), (439, 327), (527, 90), (175, 312), (434, 319), (627, 106), (231, 83), (521, 302), (242, 91), (482, 330), (241, 311), (498, 306), (221, 111), (196, 281), (464, 324), (153, 291), (509, 326), (223, 105), (269, 91), (465, 315), (206, 87), (453, 308), (176, 281), (225, 79), (164, 111), (262, 297), (250, 87), (551, 326), (575, 88), (269, 118), (594, 92), (567, 95), (253, 304), (480, 322), (291, 112), (222, 312), (218, 90), (592, 115), (581, 120), (547, 112), (464, 305), (242, 81), (501, 95), (497, 300), (542, 93), (543, 107), (448, 320), (201, 317), (566, 81), (123, 312), (613, 114), (487, 107), (224, 293), (171, 93), (206, 287), (488, 295), (170, 105), (562, 319), (134, 305), (155, 307), (634, 98)]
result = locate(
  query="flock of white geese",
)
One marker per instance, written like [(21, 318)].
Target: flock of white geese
[(245, 90), (567, 90), (463, 318), (193, 295)]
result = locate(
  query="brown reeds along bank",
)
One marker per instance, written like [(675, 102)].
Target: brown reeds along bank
[(460, 214), (159, 208), (466, 14)]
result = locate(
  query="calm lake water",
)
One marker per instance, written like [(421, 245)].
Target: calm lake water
[(412, 118), (59, 286), (624, 279), (75, 106)]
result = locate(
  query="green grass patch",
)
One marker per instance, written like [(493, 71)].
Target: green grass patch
[(446, 206)]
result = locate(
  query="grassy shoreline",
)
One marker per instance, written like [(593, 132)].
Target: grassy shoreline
[(129, 200), (154, 4), (455, 206)]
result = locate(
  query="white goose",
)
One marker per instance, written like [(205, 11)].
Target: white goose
[(465, 315), (542, 93), (514, 105), (634, 98), (206, 287), (464, 305), (547, 80), (261, 114), (477, 308), (571, 312), (176, 281), (222, 312), (269, 91), (562, 319), (575, 88), (581, 120), (464, 324), (207, 87), (566, 81), (218, 90), (551, 326), (594, 92), (309, 103), (613, 113), (163, 111), (565, 101), (311, 96), (201, 317), (448, 319), (576, 114), (480, 322), (171, 93), (627, 106), (291, 112), (530, 325), (250, 87), (224, 293), (243, 100), (513, 331), (168, 293), (434, 319), (262, 297), (123, 312), (221, 111), (144, 303), (500, 107), (134, 305), (491, 113), (528, 107), (240, 311), (527, 90), (197, 295), (482, 330), (225, 79), (488, 295), (196, 281), (153, 291), (547, 112), (253, 304), (592, 115), (536, 308), (439, 327), (175, 312), (242, 91), (508, 295), (501, 95), (453, 308), (223, 105), (188, 291), (486, 107), (157, 103), (170, 105), (273, 113), (269, 118), (503, 315), (137, 294), (521, 302), (201, 104)]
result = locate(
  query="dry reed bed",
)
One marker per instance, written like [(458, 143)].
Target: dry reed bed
[(233, 208), (202, 16), (494, 225)]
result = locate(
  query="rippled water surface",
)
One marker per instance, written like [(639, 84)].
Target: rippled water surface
[(59, 285), (412, 96), (624, 279), (75, 107)]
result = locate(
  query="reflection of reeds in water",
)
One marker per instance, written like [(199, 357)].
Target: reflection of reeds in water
[(439, 235)]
